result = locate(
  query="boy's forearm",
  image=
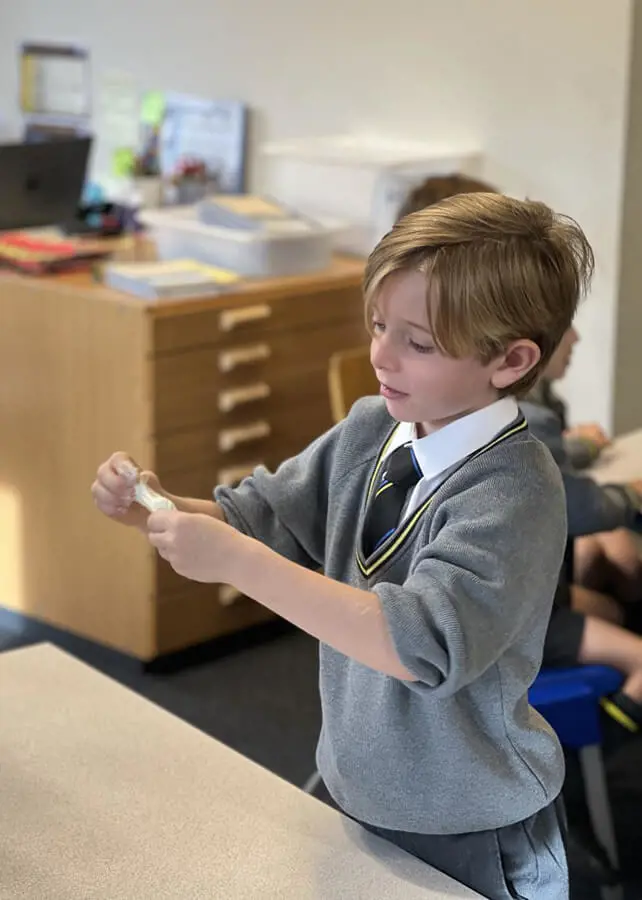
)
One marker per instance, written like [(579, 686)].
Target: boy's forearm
[(346, 618), (196, 505)]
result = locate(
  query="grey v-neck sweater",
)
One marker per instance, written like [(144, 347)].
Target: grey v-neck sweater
[(467, 595)]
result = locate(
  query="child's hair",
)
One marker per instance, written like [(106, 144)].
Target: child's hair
[(440, 187), (497, 270)]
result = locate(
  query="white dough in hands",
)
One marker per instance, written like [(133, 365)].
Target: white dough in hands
[(150, 499)]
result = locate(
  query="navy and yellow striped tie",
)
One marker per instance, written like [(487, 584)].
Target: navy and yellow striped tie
[(400, 473)]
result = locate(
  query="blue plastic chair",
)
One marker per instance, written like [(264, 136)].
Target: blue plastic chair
[(569, 700)]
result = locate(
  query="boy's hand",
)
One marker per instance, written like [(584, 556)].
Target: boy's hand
[(113, 489), (196, 546), (592, 433)]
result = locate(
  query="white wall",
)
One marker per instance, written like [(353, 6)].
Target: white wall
[(540, 84)]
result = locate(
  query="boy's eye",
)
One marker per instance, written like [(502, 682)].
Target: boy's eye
[(377, 326), (420, 348)]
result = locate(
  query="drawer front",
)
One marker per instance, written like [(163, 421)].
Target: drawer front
[(247, 318), (291, 428), (197, 615), (237, 384)]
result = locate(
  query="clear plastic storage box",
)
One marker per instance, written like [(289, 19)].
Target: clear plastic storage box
[(178, 234), (361, 180)]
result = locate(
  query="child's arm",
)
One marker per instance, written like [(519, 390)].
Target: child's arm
[(486, 578), (287, 510), (348, 619), (593, 508)]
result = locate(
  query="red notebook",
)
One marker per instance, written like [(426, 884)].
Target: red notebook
[(39, 254)]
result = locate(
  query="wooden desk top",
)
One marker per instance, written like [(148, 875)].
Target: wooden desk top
[(344, 271), (107, 797)]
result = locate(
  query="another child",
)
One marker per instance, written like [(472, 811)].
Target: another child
[(440, 525), (604, 575), (440, 187)]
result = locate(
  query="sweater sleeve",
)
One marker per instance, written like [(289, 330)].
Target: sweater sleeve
[(488, 573), (591, 507), (286, 509)]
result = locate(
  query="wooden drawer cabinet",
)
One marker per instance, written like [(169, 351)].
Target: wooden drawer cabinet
[(200, 391), (196, 387)]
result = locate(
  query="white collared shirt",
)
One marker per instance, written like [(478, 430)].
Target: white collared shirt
[(438, 453)]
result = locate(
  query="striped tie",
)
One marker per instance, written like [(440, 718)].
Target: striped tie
[(400, 473)]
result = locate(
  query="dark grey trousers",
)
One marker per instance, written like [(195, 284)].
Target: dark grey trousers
[(526, 861)]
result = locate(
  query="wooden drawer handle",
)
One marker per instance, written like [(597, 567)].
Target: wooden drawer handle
[(232, 437), (229, 400), (227, 595), (232, 318), (243, 356), (234, 474)]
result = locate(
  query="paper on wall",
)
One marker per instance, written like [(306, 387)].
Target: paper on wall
[(118, 120)]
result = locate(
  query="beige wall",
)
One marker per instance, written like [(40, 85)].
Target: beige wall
[(627, 383), (540, 84)]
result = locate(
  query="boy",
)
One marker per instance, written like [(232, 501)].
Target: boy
[(604, 574), (440, 524)]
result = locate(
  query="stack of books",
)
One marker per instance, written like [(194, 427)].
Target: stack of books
[(179, 279), (251, 212), (41, 252)]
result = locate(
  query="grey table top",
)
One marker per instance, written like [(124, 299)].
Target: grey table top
[(104, 795)]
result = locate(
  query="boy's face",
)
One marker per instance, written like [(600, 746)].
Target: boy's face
[(561, 359), (418, 382)]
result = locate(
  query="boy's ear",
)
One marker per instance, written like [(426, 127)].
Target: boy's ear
[(520, 357)]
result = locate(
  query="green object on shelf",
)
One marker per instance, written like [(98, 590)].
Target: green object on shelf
[(123, 162), (153, 108)]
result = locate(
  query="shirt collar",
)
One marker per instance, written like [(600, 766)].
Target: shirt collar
[(443, 449)]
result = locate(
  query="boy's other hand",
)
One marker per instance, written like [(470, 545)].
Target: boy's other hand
[(196, 546)]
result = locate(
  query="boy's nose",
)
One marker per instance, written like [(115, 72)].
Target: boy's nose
[(382, 355)]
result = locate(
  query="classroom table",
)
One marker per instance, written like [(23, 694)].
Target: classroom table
[(622, 461), (104, 796)]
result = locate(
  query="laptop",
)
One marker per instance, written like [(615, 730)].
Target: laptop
[(41, 184)]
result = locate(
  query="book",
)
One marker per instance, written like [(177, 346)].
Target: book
[(40, 252), (252, 212), (178, 279)]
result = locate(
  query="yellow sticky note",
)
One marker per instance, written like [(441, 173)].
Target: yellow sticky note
[(123, 162), (153, 108), (28, 83)]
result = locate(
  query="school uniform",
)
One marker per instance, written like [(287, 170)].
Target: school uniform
[(455, 767)]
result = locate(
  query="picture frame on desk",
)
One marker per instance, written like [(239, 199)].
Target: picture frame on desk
[(212, 131)]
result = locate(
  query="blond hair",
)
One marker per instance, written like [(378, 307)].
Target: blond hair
[(497, 270)]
